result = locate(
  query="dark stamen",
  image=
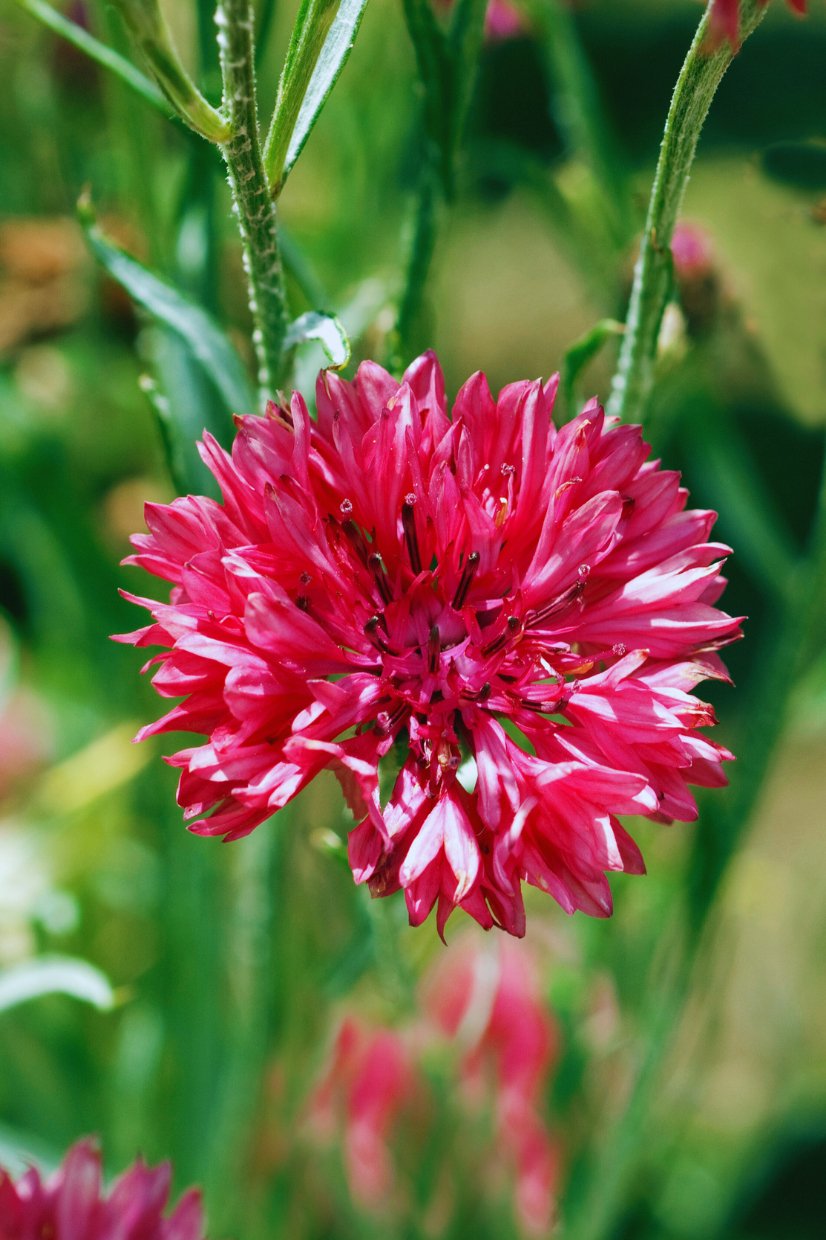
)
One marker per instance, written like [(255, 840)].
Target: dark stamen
[(468, 695), (434, 649), (412, 542), (465, 580), (543, 708), (557, 605), (372, 629), (387, 722), (514, 624), (302, 603), (356, 538), (376, 564)]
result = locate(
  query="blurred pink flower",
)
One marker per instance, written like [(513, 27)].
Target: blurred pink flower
[(701, 291), (71, 1206), (483, 1024), (725, 19), (509, 616), (25, 738), (369, 1082), (692, 251), (491, 1005), (503, 20)]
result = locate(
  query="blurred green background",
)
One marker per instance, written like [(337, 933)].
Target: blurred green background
[(231, 964)]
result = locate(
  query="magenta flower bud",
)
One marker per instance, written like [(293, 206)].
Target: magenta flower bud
[(725, 19)]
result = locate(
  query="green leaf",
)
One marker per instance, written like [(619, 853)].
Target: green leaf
[(331, 60), (583, 122), (322, 39), (51, 975), (327, 330), (435, 66), (97, 51), (467, 32), (756, 526), (580, 354), (200, 333)]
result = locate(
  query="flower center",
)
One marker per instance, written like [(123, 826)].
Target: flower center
[(451, 640)]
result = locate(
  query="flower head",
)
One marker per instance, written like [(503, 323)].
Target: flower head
[(71, 1206), (498, 621), (725, 19)]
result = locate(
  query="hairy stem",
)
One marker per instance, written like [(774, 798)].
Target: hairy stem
[(697, 84), (253, 205)]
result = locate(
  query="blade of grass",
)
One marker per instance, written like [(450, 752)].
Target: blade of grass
[(97, 51)]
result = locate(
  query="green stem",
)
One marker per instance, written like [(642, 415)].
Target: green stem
[(150, 33), (697, 84), (251, 928), (447, 69), (405, 339), (579, 113), (254, 207)]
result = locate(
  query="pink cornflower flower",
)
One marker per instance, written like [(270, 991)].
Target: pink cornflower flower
[(488, 627), (503, 20), (725, 19), (692, 251), (370, 1082), (482, 1026), (491, 1006), (71, 1205), (701, 291)]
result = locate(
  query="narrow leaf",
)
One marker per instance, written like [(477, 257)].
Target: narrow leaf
[(310, 73), (332, 59), (97, 51), (202, 335), (753, 522), (581, 353), (436, 68), (327, 330), (55, 975)]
